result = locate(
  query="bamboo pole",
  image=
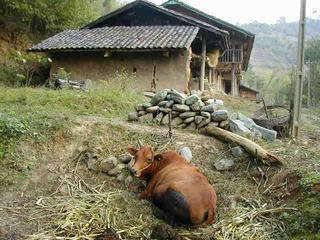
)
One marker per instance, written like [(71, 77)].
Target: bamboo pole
[(297, 102)]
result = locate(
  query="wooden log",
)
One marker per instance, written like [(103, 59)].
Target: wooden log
[(251, 147)]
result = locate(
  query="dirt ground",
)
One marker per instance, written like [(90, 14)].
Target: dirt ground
[(246, 207)]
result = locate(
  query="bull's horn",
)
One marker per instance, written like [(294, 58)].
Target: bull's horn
[(140, 143)]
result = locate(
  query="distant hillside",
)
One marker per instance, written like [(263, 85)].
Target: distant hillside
[(276, 44)]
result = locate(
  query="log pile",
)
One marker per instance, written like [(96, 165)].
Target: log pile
[(192, 112)]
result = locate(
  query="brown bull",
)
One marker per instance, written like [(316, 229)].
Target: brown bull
[(179, 189)]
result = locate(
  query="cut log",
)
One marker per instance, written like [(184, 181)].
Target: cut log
[(252, 148)]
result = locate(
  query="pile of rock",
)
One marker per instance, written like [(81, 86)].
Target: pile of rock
[(112, 166), (193, 112)]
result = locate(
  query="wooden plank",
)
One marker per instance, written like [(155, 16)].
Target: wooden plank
[(203, 63)]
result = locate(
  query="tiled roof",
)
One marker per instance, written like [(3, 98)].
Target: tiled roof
[(121, 37)]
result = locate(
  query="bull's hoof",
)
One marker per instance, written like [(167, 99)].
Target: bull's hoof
[(164, 232)]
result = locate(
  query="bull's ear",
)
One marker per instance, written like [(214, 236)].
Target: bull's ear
[(158, 157), (132, 150)]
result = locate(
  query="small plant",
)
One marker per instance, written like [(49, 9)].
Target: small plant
[(61, 74)]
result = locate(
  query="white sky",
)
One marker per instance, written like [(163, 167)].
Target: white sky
[(245, 11)]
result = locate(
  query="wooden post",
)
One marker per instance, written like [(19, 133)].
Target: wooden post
[(203, 63), (309, 86), (210, 75), (297, 103), (233, 80)]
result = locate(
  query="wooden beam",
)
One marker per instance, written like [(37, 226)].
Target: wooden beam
[(210, 75), (233, 81), (203, 63)]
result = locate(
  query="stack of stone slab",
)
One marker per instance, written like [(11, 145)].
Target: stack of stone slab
[(192, 112)]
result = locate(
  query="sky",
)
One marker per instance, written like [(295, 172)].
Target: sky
[(264, 11)]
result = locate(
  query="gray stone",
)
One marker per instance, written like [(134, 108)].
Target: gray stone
[(121, 177), (93, 164), (237, 127), (187, 115), (198, 119), (204, 123), (125, 158), (220, 115), (213, 124), (192, 99), (153, 109), (165, 110), (186, 153), (158, 118), (224, 164), (146, 118), (206, 114), (165, 120), (238, 152), (162, 103), (267, 134), (176, 121), (169, 104), (146, 105), (140, 107), (133, 116), (180, 108), (128, 181), (176, 97), (158, 97), (209, 101), (209, 108), (183, 125), (197, 106), (141, 113), (117, 170), (224, 124), (107, 164), (189, 120)]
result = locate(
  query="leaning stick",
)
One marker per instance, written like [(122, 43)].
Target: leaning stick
[(251, 147)]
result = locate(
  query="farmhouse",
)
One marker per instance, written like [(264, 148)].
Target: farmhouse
[(167, 46)]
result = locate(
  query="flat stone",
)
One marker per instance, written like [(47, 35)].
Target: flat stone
[(158, 118), (238, 152), (162, 103), (186, 153), (209, 108), (220, 115), (165, 110), (140, 107), (176, 121), (176, 97), (189, 120), (224, 164), (141, 113), (107, 164), (198, 119), (237, 127), (165, 120), (169, 104), (224, 124), (180, 108), (133, 116), (125, 158), (187, 115), (205, 97), (146, 118), (146, 105), (192, 126), (213, 124), (192, 99), (183, 125), (153, 109), (197, 106), (128, 181), (209, 101), (206, 114), (158, 97), (204, 123), (117, 170)]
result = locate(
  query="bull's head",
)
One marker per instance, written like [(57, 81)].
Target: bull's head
[(143, 159)]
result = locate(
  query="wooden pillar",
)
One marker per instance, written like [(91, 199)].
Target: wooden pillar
[(203, 63), (233, 81), (214, 80), (210, 75)]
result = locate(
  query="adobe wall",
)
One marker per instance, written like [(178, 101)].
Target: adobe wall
[(170, 71)]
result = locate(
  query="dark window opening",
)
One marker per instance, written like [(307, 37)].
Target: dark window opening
[(134, 70)]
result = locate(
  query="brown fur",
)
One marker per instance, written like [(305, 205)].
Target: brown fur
[(170, 170)]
